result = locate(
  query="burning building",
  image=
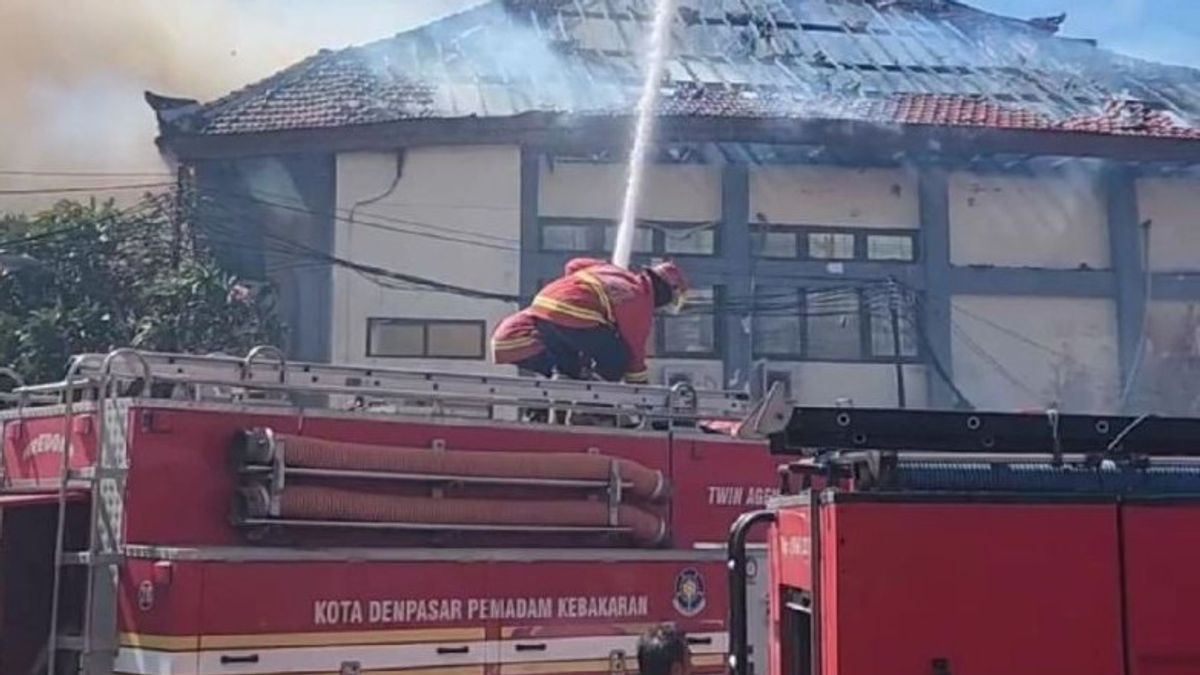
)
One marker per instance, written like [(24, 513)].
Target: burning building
[(878, 199)]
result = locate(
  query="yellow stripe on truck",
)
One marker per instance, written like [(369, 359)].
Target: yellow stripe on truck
[(379, 637), (172, 643)]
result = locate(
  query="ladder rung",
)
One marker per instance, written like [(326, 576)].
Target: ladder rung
[(69, 643), (89, 558)]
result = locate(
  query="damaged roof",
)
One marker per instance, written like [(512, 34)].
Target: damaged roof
[(919, 62)]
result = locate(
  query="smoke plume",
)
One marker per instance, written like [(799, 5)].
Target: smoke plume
[(73, 72)]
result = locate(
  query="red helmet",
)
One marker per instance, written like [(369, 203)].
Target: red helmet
[(670, 273)]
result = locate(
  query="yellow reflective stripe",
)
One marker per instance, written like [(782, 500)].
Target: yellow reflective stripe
[(640, 376), (598, 288), (581, 313), (514, 343)]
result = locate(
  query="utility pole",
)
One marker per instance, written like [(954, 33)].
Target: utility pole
[(894, 311), (178, 210)]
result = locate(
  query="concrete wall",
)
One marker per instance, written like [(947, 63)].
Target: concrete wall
[(271, 218), (1169, 375), (864, 384), (834, 197), (1171, 205), (459, 193), (671, 192), (1055, 221), (1015, 352), (705, 373)]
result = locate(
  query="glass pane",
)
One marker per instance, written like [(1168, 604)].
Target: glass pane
[(643, 239), (698, 241), (693, 330), (777, 325), (565, 238), (776, 244), (831, 245), (881, 330), (833, 325), (889, 247), (394, 338), (456, 340)]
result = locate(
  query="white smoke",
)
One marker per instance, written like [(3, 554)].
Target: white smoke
[(73, 71)]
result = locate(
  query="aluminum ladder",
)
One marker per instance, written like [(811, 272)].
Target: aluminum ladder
[(266, 372)]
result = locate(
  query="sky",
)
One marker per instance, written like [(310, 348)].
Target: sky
[(74, 71), (1159, 30)]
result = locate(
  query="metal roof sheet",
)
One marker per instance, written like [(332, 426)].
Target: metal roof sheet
[(896, 61)]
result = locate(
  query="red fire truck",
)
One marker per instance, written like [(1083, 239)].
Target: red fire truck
[(174, 514), (939, 543)]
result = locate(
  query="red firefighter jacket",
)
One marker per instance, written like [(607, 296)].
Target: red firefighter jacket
[(596, 293), (516, 339)]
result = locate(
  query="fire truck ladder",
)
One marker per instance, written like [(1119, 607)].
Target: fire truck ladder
[(88, 641), (266, 373)]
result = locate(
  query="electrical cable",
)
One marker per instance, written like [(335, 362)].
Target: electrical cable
[(75, 189), (1143, 335)]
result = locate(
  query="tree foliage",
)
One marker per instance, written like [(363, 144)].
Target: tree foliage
[(88, 277)]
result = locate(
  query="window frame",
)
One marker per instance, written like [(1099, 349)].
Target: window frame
[(425, 324), (660, 333), (866, 353), (861, 236), (596, 236)]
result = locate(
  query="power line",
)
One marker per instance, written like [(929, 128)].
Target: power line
[(384, 273), (74, 189), (375, 225), (86, 174)]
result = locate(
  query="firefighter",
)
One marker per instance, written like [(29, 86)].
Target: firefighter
[(518, 341), (604, 313)]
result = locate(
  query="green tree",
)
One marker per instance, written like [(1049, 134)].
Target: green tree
[(91, 277)]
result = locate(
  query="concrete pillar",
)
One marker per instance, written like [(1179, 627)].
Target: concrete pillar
[(933, 193), (1125, 237), (735, 256), (530, 179)]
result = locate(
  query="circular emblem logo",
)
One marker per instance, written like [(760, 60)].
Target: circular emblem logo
[(690, 598), (145, 595)]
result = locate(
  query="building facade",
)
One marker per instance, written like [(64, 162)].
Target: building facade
[(1009, 245)]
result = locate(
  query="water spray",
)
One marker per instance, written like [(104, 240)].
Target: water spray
[(660, 42)]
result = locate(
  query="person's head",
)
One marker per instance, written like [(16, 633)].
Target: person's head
[(663, 650), (670, 285)]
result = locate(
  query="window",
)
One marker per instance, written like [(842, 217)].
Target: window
[(419, 338), (782, 241), (693, 331), (831, 245), (890, 247), (777, 244), (598, 235), (777, 323), (833, 325), (565, 237), (643, 239), (699, 240)]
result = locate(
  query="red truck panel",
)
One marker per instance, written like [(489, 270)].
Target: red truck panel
[(1162, 555), (1026, 589), (181, 488), (33, 448), (508, 617), (714, 482)]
